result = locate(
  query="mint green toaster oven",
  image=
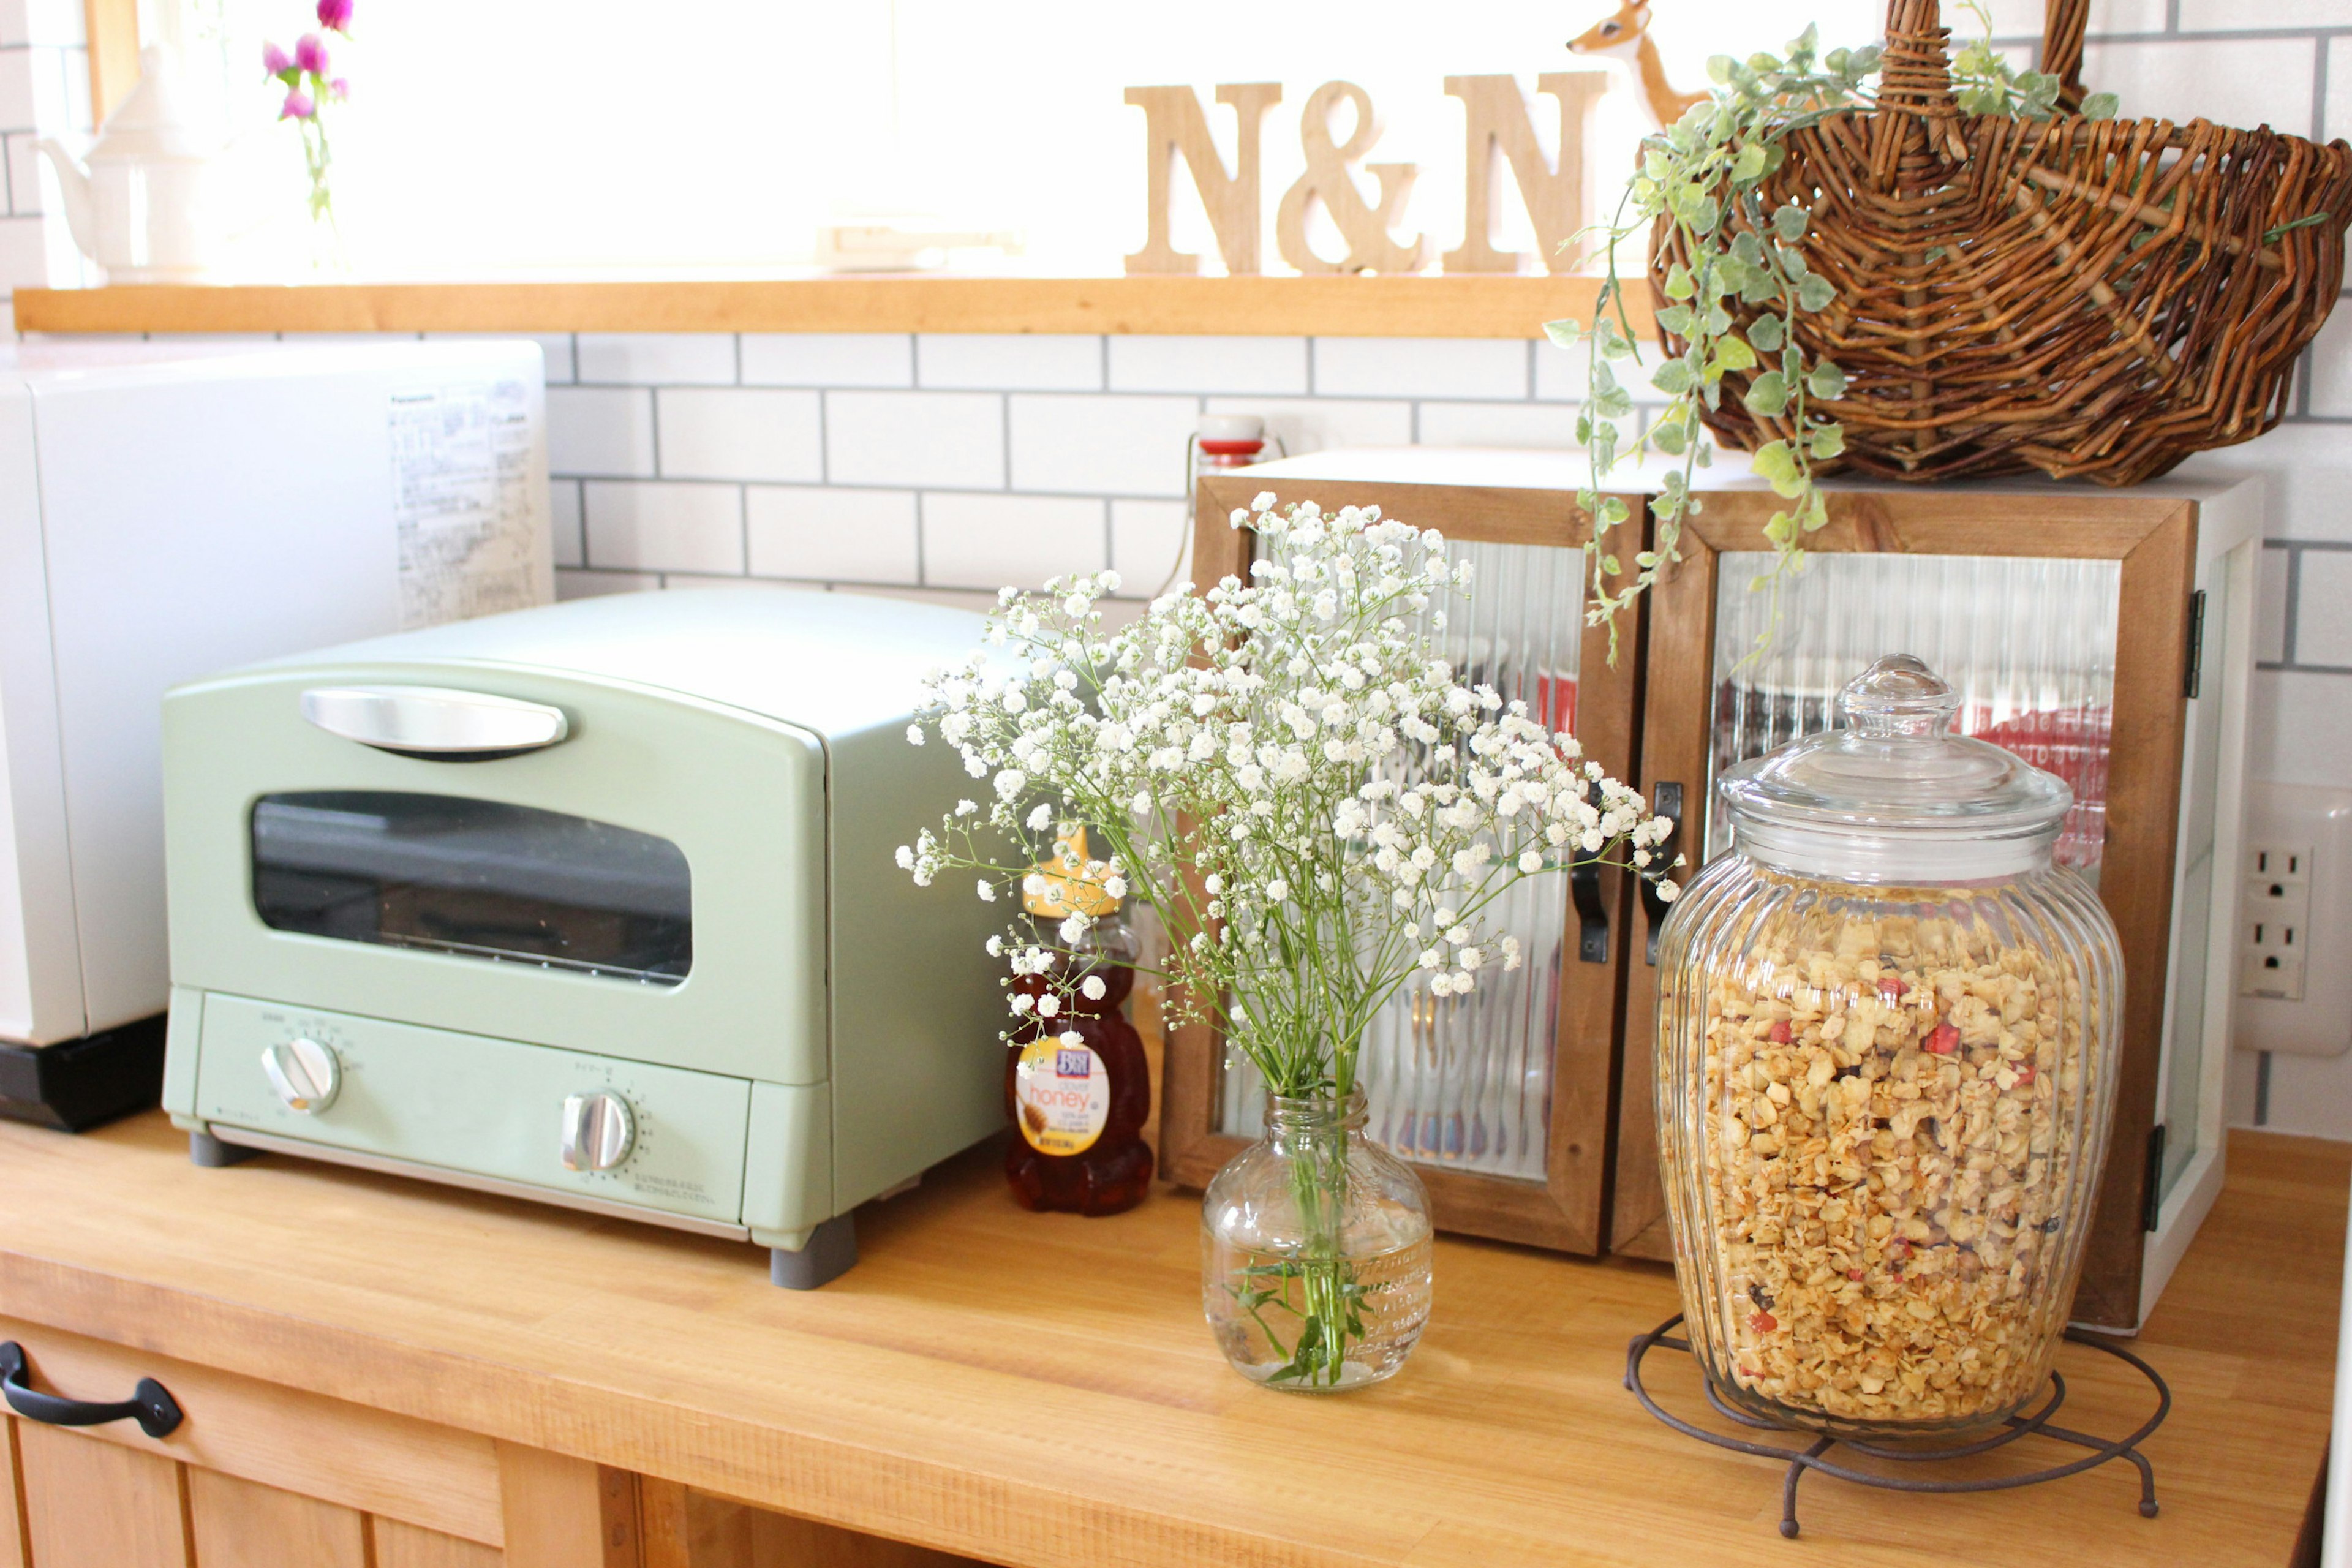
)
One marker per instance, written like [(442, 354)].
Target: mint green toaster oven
[(593, 904)]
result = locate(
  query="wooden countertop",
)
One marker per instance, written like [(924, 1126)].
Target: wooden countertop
[(1041, 1390), (1433, 306)]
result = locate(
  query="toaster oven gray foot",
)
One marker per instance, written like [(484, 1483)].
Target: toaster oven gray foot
[(830, 1251), (205, 1150)]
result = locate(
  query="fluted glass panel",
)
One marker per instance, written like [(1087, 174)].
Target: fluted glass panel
[(2029, 644), (1467, 1082)]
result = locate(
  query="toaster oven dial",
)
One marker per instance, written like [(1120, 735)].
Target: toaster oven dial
[(304, 1073), (599, 1130)]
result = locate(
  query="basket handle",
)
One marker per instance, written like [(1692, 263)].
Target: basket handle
[(1914, 74), (2062, 25)]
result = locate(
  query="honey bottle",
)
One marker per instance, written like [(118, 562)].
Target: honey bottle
[(1075, 1083)]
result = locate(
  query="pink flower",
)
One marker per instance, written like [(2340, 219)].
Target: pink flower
[(340, 87), (310, 55), (335, 15), (274, 61), (297, 107)]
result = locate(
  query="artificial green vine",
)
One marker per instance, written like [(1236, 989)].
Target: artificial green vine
[(1703, 176)]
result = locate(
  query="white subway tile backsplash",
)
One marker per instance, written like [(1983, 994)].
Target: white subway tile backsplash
[(569, 585), (604, 431), (554, 349), (563, 505), (665, 526), (2023, 19), (828, 359), (1420, 367), (830, 535), (1149, 540), (2330, 366), (1100, 446), (2238, 16), (27, 256), (27, 171), (2323, 611), (2234, 81), (1010, 361), (1542, 424), (1315, 424), (2295, 732), (988, 541), (58, 22), (2336, 113), (19, 100), (740, 433), (949, 440), (1563, 375), (658, 359), (1152, 363)]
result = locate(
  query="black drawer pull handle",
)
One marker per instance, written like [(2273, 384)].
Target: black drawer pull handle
[(151, 1403)]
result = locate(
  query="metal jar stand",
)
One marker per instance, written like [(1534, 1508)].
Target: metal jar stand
[(1817, 1456)]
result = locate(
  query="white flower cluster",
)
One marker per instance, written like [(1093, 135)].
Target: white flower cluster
[(1286, 770)]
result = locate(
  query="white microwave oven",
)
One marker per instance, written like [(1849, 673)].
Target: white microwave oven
[(595, 905), (166, 510)]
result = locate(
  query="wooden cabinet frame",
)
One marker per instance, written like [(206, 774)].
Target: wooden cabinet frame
[(1568, 1210), (2155, 538)]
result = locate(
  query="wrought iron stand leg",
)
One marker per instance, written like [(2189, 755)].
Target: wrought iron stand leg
[(1789, 1484)]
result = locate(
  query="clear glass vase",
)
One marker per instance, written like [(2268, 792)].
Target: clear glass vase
[(1315, 1251)]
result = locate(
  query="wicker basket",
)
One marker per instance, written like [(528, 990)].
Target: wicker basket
[(2088, 298)]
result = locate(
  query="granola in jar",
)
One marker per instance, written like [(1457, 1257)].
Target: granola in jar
[(1888, 1029)]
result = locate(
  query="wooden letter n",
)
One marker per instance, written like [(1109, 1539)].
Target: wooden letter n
[(1499, 122), (1177, 126)]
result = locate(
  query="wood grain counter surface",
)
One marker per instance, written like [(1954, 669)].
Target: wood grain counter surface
[(1041, 1390)]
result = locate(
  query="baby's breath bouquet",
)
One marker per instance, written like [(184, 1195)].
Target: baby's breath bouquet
[(1319, 812)]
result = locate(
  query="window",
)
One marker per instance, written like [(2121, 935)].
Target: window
[(709, 137)]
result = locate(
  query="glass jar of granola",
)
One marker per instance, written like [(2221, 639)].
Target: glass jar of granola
[(1888, 1041)]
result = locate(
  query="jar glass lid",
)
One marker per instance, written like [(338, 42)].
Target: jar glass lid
[(1893, 794)]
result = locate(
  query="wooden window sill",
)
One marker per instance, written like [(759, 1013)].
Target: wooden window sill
[(1414, 307)]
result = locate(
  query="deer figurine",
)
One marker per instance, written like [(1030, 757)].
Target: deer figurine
[(1626, 37)]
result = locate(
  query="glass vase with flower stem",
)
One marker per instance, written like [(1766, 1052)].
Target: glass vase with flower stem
[(310, 86), (1321, 814)]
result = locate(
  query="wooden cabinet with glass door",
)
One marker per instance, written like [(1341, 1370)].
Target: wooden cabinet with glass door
[(2105, 635), (1503, 1099)]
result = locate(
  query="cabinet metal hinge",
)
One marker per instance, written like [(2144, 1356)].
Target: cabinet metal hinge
[(2151, 1192), (2196, 643)]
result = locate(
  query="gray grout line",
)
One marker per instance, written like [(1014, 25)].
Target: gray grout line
[(1004, 427), (922, 563), (2293, 596), (2319, 89), (743, 524), (736, 341), (2278, 668), (653, 396)]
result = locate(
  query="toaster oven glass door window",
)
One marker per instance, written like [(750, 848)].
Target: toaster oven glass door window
[(474, 878)]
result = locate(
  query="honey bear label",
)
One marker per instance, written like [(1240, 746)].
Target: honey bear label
[(1062, 1093)]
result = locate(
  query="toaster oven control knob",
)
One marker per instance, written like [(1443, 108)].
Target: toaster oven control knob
[(305, 1074), (599, 1130)]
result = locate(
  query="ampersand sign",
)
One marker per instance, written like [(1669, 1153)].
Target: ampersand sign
[(1330, 180)]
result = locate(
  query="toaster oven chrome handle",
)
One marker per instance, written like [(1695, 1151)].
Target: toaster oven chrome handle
[(438, 723)]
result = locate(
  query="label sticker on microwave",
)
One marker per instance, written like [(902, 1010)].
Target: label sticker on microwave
[(1063, 1095), (462, 499)]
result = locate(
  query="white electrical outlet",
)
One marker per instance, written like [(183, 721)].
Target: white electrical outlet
[(2274, 915), (2294, 921)]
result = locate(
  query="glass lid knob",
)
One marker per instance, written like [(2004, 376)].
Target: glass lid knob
[(1899, 695)]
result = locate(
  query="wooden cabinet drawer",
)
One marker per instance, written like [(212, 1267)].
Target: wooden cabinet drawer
[(252, 1463)]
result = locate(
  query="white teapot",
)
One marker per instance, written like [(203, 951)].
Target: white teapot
[(141, 206)]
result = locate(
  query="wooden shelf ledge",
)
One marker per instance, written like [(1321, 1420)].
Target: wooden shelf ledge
[(1418, 307)]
